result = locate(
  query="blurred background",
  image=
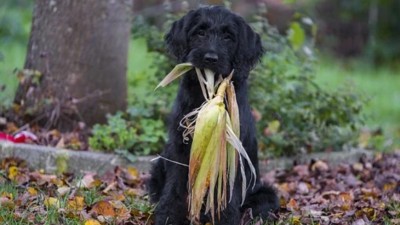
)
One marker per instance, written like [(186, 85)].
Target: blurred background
[(331, 71)]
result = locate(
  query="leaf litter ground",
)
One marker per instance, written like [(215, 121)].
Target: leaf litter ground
[(366, 192)]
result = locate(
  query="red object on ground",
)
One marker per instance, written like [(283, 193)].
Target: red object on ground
[(20, 137)]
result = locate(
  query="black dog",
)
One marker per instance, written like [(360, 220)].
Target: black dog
[(213, 38)]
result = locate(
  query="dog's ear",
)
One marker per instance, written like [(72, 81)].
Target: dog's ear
[(176, 39), (249, 50)]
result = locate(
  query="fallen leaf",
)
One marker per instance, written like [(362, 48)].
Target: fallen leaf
[(292, 205), (87, 181), (320, 166), (358, 167), (32, 191), (104, 208), (295, 220), (389, 186), (302, 188), (51, 202), (63, 190), (12, 172), (76, 204), (359, 222), (92, 222), (60, 143)]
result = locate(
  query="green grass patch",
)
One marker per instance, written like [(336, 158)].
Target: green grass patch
[(13, 57), (379, 85)]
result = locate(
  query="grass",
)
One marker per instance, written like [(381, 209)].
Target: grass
[(13, 58), (379, 85)]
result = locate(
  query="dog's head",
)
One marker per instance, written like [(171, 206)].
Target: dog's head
[(216, 39)]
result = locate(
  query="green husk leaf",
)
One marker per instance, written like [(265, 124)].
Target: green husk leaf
[(176, 72), (206, 123), (203, 173)]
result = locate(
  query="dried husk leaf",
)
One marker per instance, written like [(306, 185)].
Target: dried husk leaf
[(232, 158), (175, 73)]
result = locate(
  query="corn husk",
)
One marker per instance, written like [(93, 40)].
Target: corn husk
[(175, 73), (216, 151)]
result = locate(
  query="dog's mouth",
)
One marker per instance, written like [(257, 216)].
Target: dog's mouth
[(205, 72), (220, 65), (218, 73)]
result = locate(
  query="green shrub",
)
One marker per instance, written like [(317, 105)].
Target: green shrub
[(116, 134), (129, 132), (297, 115)]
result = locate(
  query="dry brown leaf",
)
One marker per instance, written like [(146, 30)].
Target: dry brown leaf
[(133, 192), (63, 190), (104, 208), (7, 203), (60, 143), (116, 196), (11, 128), (292, 205), (87, 181), (320, 166)]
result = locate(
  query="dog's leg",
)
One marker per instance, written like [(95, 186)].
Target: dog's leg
[(231, 215), (172, 206), (262, 200)]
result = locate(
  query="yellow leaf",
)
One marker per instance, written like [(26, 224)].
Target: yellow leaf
[(76, 204), (32, 191), (117, 196), (92, 222), (12, 172), (7, 195), (133, 175), (389, 186), (57, 182), (51, 202), (295, 220)]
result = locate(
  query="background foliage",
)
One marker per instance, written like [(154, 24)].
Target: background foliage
[(305, 102), (296, 114)]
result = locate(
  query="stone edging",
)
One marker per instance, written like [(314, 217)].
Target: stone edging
[(52, 159)]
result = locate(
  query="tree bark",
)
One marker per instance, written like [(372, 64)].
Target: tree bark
[(80, 49)]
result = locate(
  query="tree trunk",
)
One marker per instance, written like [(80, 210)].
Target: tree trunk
[(80, 49)]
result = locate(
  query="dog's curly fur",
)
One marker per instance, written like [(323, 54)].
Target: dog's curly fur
[(213, 38)]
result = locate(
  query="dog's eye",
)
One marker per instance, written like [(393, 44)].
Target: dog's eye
[(228, 37), (201, 33)]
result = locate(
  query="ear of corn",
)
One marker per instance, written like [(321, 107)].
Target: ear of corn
[(216, 150)]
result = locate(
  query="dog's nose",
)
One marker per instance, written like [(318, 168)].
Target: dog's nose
[(210, 57)]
